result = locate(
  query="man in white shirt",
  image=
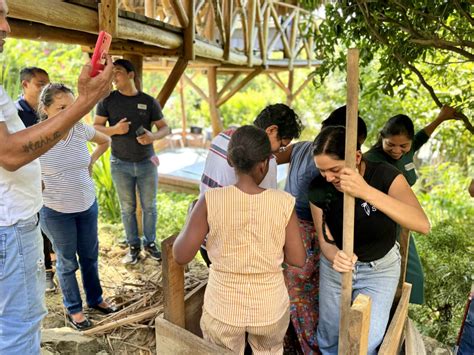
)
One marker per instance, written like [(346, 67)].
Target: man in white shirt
[(22, 273)]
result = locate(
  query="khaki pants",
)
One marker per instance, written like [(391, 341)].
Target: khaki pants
[(264, 340)]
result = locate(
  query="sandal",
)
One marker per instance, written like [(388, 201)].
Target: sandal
[(85, 324)]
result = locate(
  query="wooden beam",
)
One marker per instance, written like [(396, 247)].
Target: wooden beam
[(252, 13), (302, 86), (180, 13), (393, 337), (108, 16), (239, 86), (359, 325), (190, 32), (278, 83), (228, 84), (196, 88), (291, 81), (259, 20), (150, 8), (171, 339), (216, 122), (349, 201), (171, 82), (173, 285)]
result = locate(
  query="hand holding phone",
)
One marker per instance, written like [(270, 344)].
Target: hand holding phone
[(100, 53), (140, 131)]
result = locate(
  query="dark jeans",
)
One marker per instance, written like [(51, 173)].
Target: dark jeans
[(48, 249), (74, 236), (466, 345)]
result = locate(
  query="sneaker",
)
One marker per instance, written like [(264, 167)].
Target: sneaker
[(50, 285), (132, 256), (153, 251)]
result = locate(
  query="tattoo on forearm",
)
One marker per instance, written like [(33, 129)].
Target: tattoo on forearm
[(34, 146)]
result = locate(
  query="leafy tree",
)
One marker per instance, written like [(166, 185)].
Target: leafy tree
[(413, 40)]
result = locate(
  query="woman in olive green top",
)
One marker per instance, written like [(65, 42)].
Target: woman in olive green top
[(397, 145)]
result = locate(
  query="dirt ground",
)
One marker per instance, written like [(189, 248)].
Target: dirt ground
[(116, 280)]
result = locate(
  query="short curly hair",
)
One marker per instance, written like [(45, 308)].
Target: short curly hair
[(288, 123)]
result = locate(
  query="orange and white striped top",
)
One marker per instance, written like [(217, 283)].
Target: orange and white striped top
[(245, 244)]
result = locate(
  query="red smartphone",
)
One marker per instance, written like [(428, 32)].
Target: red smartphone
[(100, 52)]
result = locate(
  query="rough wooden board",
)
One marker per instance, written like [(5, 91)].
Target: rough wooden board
[(174, 340), (414, 344), (394, 335), (193, 309), (359, 324)]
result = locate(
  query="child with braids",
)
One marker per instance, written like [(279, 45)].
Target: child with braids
[(251, 231)]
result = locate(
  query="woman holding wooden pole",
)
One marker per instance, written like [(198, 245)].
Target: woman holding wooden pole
[(383, 199)]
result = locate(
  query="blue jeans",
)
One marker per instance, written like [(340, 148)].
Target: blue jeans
[(71, 234), (466, 345), (127, 176), (22, 287), (377, 279)]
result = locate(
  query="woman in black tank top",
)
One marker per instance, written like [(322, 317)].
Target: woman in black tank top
[(383, 199)]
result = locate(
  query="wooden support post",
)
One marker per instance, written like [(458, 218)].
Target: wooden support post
[(150, 8), (293, 36), (228, 11), (349, 201), (394, 336), (183, 109), (180, 13), (173, 285), (216, 122), (196, 88), (252, 12), (171, 82), (189, 31), (291, 80), (404, 249), (266, 18), (239, 86), (108, 16), (278, 83), (359, 324)]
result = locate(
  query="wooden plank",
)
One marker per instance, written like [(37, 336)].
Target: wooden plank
[(180, 13), (349, 201), (179, 184), (171, 339), (108, 16), (171, 82), (239, 86), (393, 337), (193, 307), (150, 8), (414, 344), (359, 325), (173, 285)]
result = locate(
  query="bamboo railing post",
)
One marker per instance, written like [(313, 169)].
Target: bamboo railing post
[(349, 201), (108, 16), (150, 8), (216, 122)]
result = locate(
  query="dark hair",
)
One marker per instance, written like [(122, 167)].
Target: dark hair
[(29, 72), (126, 64), (331, 141), (338, 118), (287, 121), (47, 95), (248, 146), (395, 126)]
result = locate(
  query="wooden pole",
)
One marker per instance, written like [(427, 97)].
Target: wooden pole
[(150, 8), (183, 109), (216, 122), (349, 201), (173, 285), (172, 80), (108, 16)]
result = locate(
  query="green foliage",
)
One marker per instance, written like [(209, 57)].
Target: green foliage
[(172, 212), (428, 42), (109, 207), (448, 275)]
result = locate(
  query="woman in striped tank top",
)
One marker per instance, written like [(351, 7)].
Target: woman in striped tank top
[(250, 232), (69, 214)]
